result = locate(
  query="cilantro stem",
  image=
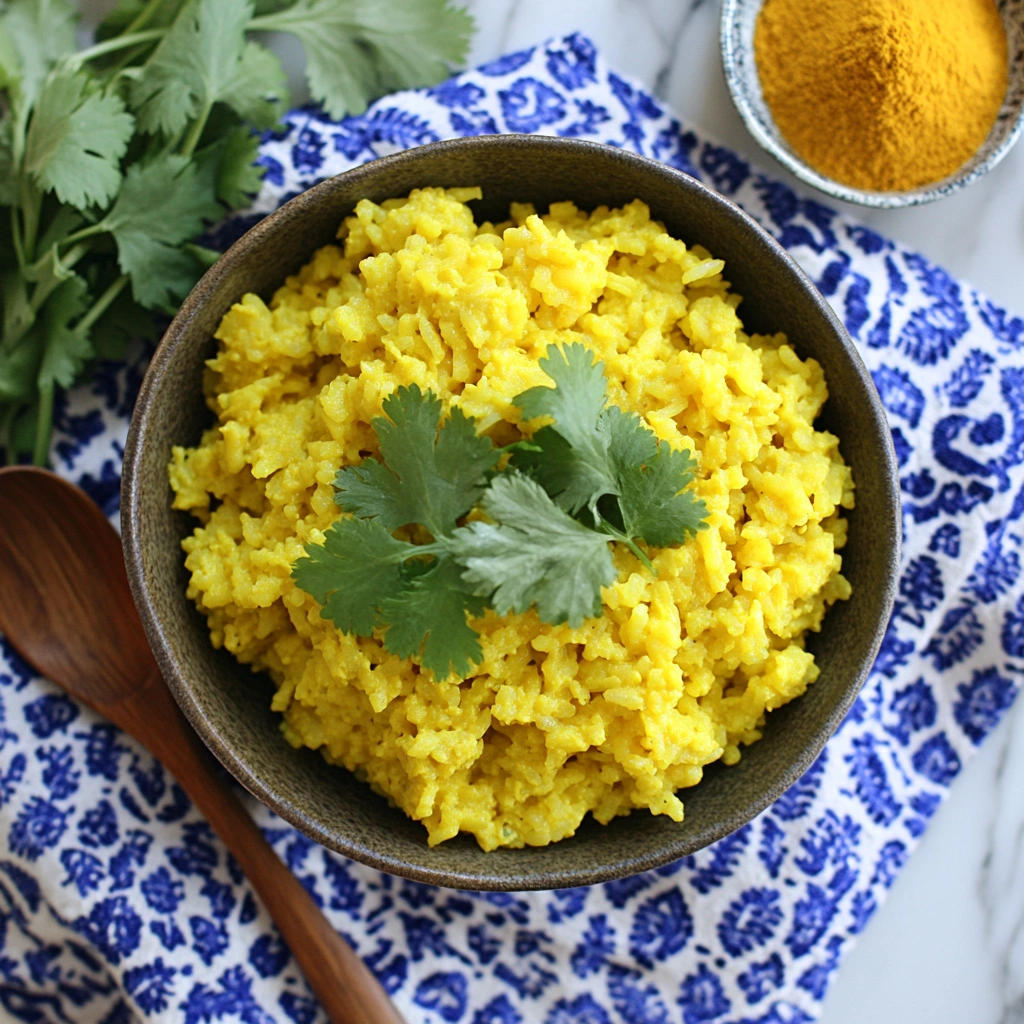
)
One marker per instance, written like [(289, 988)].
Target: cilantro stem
[(44, 425), (196, 131), (603, 526), (93, 229), (17, 329), (42, 290), (99, 307), (44, 413), (19, 248), (31, 203), (144, 17), (117, 43)]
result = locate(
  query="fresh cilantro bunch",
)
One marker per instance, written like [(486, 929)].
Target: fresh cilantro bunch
[(113, 158), (595, 474)]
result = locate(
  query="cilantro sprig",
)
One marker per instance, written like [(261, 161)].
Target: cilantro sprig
[(432, 474), (113, 158), (602, 464), (595, 474)]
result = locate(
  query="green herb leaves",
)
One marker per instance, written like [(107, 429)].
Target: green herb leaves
[(594, 460), (430, 612), (161, 204), (573, 464), (433, 474), (76, 140), (357, 50), (358, 567), (205, 59), (34, 35), (652, 502), (534, 553), (605, 463), (115, 157)]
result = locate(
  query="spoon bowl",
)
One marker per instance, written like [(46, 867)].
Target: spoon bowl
[(53, 542), (66, 607)]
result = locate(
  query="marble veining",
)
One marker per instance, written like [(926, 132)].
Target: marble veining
[(1000, 882)]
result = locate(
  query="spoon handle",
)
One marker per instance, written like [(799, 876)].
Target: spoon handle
[(347, 990)]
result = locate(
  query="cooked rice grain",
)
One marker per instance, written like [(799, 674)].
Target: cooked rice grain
[(679, 671)]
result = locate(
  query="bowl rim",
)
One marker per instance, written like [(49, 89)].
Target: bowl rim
[(947, 186), (132, 501)]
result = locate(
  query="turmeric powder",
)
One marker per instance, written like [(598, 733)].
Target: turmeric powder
[(886, 95)]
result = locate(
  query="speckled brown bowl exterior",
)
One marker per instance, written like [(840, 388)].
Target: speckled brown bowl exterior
[(230, 706)]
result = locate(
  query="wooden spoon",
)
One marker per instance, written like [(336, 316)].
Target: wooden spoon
[(66, 608)]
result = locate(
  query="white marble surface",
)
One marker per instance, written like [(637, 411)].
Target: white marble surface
[(948, 946)]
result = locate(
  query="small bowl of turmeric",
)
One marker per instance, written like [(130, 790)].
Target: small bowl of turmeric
[(885, 103)]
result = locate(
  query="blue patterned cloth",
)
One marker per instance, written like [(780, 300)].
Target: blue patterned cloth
[(118, 904)]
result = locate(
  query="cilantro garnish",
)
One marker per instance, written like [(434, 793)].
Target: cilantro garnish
[(600, 462), (534, 553), (113, 158), (432, 474), (595, 474), (358, 567)]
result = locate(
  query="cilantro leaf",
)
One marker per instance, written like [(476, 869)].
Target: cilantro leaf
[(573, 464), (430, 615), (360, 577), (358, 566), (573, 481), (76, 139), (432, 474), (19, 368), (160, 205), (593, 453), (357, 50), (239, 177), (577, 399), (372, 491), (653, 503), (67, 348), (204, 59), (533, 553), (34, 35), (629, 442)]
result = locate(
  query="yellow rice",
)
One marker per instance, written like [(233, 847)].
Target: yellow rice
[(680, 669)]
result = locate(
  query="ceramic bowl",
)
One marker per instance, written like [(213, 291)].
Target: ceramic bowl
[(737, 40), (230, 706)]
